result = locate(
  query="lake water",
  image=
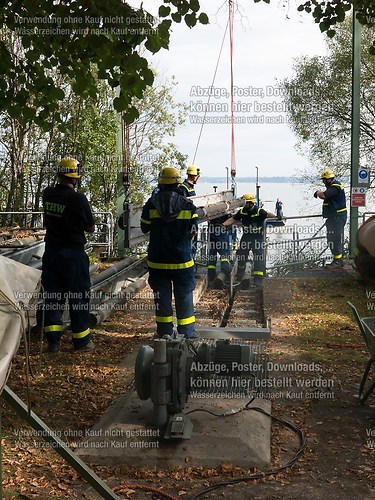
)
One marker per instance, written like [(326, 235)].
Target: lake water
[(297, 198)]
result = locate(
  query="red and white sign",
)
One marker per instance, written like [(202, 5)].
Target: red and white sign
[(358, 198)]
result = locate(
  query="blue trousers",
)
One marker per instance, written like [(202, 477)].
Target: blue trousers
[(219, 244), (255, 243), (66, 284), (335, 234), (182, 281)]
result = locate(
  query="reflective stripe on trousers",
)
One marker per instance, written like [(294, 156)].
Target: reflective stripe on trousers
[(66, 284), (182, 283)]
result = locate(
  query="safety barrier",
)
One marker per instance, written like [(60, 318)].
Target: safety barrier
[(286, 247), (104, 233), (102, 237), (296, 246)]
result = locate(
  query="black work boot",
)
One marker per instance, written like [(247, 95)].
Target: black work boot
[(53, 347)]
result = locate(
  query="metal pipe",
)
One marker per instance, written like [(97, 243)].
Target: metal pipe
[(105, 309), (218, 209), (59, 446), (113, 269), (159, 384), (25, 254)]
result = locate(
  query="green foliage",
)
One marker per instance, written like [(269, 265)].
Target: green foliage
[(318, 99), (82, 41), (329, 14), (92, 138), (30, 156), (150, 149), (85, 43)]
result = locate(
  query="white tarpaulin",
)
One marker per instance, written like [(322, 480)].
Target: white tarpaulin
[(19, 286)]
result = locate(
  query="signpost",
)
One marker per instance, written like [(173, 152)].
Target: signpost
[(355, 129)]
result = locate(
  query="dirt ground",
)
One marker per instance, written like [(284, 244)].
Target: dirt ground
[(316, 352)]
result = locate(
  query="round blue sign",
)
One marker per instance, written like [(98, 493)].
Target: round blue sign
[(362, 174)]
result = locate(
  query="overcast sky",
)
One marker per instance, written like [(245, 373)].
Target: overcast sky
[(266, 40)]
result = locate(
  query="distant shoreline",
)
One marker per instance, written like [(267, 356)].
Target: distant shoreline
[(285, 180)]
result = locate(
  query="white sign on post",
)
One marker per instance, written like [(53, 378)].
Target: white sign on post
[(363, 177)]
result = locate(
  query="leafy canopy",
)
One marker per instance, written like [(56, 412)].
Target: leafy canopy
[(318, 100), (329, 14), (80, 40), (105, 37)]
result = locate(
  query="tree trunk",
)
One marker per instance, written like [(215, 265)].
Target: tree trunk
[(15, 199)]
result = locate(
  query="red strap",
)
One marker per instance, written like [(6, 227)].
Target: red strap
[(233, 154)]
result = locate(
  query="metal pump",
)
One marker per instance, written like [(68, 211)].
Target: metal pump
[(168, 371)]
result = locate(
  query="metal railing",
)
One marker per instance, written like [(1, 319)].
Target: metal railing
[(285, 246), (30, 219), (102, 237), (203, 243), (298, 247), (104, 232), (295, 247), (364, 216)]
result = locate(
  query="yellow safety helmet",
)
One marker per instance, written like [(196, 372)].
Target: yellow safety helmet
[(327, 174), (169, 175), (69, 167), (250, 197), (193, 170)]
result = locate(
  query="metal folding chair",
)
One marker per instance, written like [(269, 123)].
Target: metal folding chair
[(367, 329)]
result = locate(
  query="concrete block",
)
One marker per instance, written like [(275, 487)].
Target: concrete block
[(125, 435)]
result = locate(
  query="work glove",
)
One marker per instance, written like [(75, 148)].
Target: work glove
[(193, 233), (316, 194)]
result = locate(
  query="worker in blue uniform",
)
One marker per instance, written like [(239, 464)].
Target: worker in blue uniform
[(188, 186), (335, 213), (218, 244), (65, 272), (252, 219), (170, 218)]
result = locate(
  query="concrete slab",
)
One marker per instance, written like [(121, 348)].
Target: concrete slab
[(125, 435)]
